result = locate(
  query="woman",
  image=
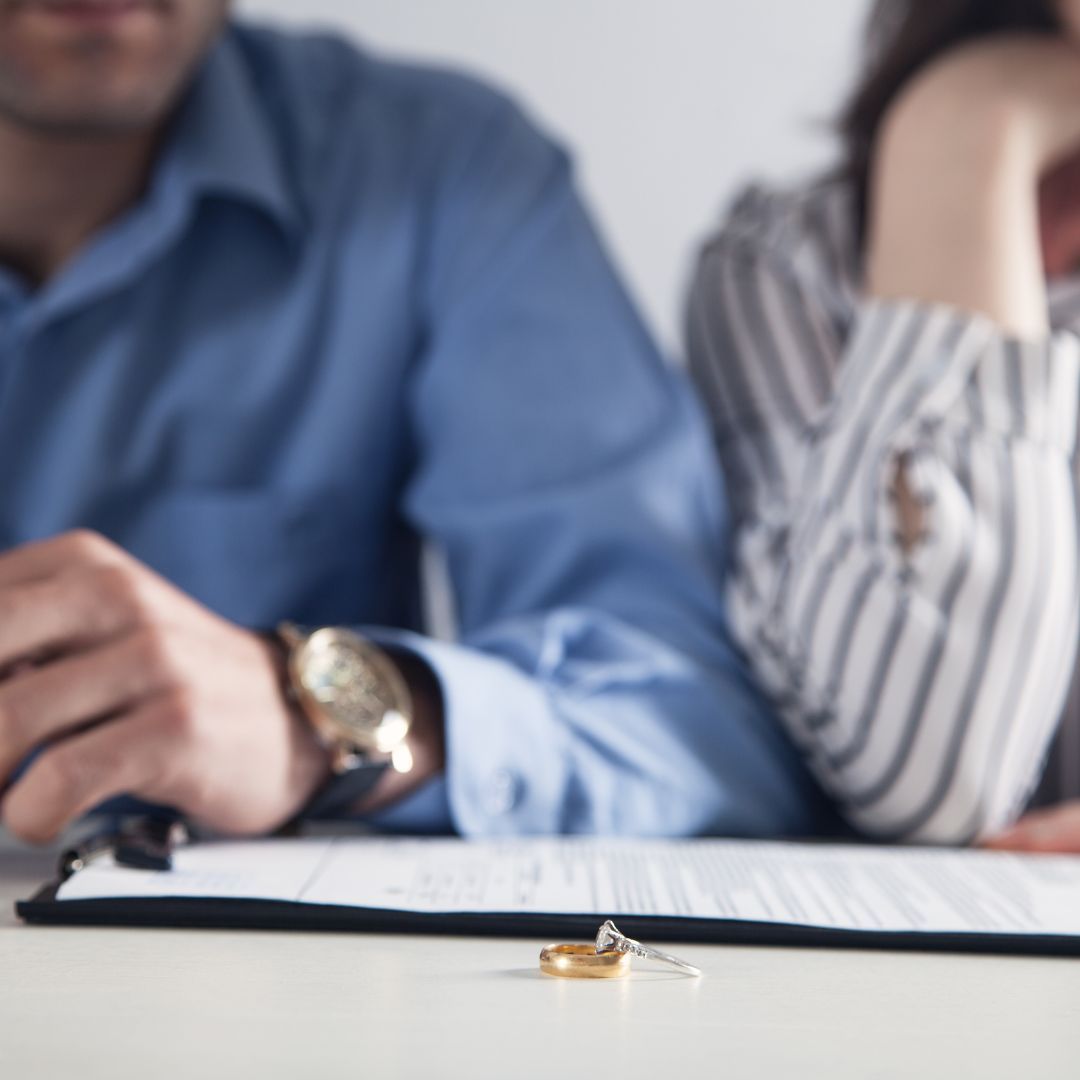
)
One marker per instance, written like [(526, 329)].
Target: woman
[(891, 359)]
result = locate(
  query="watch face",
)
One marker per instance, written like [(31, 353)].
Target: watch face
[(358, 692)]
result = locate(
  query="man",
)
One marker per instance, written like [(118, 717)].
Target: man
[(272, 313)]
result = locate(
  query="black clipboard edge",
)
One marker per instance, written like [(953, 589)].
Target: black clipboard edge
[(43, 909)]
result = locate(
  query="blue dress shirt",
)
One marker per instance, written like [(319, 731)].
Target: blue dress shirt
[(360, 306)]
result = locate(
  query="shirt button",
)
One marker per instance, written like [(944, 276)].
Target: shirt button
[(503, 793)]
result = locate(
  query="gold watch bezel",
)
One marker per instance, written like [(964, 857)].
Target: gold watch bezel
[(364, 735)]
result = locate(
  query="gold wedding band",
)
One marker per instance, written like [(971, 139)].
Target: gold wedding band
[(583, 962)]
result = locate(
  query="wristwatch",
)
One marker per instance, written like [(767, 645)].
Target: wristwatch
[(358, 704)]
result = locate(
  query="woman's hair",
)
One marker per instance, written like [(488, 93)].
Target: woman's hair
[(903, 36)]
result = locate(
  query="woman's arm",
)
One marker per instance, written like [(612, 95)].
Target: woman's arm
[(954, 215), (953, 203), (921, 664)]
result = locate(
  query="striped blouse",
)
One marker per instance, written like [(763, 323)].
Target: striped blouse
[(924, 684)]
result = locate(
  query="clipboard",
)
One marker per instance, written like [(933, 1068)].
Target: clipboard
[(1052, 884)]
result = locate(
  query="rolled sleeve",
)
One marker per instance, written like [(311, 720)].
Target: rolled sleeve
[(955, 367), (505, 768), (577, 724)]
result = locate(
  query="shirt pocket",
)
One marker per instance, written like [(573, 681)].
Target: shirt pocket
[(255, 556)]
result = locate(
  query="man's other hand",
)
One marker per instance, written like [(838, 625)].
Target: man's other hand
[(124, 685)]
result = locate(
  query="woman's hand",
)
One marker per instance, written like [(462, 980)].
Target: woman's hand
[(1055, 829), (1059, 217), (954, 202)]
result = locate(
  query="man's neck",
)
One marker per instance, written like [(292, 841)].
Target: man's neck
[(55, 192)]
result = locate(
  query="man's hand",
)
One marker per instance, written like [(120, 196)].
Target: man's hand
[(1055, 829), (126, 685)]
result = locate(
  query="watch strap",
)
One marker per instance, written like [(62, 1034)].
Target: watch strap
[(343, 791)]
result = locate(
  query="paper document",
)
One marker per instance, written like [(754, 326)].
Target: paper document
[(845, 887)]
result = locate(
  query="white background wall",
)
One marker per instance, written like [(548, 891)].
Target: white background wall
[(667, 105)]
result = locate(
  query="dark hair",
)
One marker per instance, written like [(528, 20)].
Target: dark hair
[(903, 36)]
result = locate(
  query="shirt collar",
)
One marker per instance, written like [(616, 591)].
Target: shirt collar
[(222, 142)]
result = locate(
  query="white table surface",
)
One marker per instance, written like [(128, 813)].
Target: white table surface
[(154, 1004)]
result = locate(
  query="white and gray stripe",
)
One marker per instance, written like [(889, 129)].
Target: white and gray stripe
[(925, 687)]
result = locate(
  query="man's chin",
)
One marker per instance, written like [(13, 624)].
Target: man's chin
[(86, 115), (85, 68)]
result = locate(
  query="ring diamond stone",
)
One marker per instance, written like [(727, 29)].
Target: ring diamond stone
[(610, 939)]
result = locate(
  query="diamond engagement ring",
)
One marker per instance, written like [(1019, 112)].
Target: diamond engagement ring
[(610, 940)]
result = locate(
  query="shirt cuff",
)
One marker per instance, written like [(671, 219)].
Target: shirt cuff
[(939, 364), (908, 357), (426, 810), (505, 773), (1028, 390)]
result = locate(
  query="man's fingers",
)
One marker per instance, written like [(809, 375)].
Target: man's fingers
[(125, 756), (46, 558), (72, 610), (42, 703)]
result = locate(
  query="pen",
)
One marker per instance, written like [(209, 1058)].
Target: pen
[(84, 853), (142, 844)]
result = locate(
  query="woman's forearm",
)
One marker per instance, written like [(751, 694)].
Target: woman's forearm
[(953, 217), (954, 194)]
